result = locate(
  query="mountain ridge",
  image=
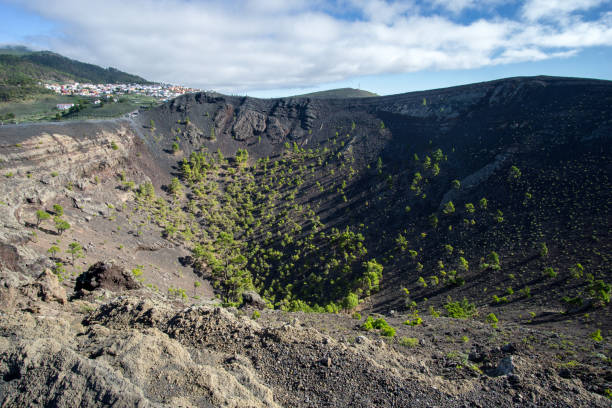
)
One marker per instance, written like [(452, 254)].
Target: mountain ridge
[(21, 73), (339, 93)]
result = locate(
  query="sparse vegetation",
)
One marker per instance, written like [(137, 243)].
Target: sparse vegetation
[(492, 319), (343, 215), (61, 225), (408, 341), (75, 250), (41, 215), (378, 324), (460, 309)]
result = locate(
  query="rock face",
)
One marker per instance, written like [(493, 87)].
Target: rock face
[(249, 124), (48, 288), (49, 366), (505, 367), (144, 352), (47, 161), (253, 299), (103, 275)]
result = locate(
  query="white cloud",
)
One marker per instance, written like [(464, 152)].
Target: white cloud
[(243, 45), (557, 9), (458, 6)]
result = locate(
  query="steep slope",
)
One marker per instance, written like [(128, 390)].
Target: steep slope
[(399, 206), (387, 169)]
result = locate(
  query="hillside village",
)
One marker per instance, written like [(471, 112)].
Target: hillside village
[(163, 92)]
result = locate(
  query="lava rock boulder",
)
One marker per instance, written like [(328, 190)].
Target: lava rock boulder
[(104, 275)]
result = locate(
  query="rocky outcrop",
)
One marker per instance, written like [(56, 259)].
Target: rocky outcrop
[(20, 292), (45, 159), (245, 120), (42, 163), (249, 124), (104, 275), (253, 299), (146, 352), (47, 288), (122, 368)]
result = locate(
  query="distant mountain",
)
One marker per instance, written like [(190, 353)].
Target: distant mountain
[(15, 50), (339, 93), (21, 71)]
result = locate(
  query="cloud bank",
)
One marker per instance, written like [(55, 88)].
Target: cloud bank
[(244, 45)]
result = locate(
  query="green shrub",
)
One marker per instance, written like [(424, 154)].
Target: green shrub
[(600, 291), (433, 220), (596, 336), (368, 325), (543, 250), (408, 341), (449, 208), (350, 302), (460, 309), (332, 308), (514, 173), (58, 210), (53, 250), (492, 319), (61, 225), (414, 322), (75, 250), (41, 216), (387, 331), (256, 315), (463, 264), (497, 299), (433, 312), (378, 324), (242, 155), (577, 271), (493, 260), (549, 272)]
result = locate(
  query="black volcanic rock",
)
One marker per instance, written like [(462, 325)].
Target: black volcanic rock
[(103, 275)]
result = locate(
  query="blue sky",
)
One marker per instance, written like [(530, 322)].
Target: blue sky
[(273, 48)]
